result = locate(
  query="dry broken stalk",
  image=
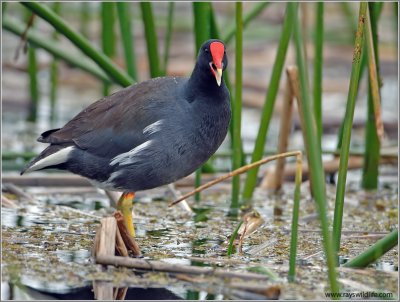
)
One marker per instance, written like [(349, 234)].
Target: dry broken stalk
[(237, 172), (153, 265), (330, 166), (96, 241), (293, 75), (108, 230), (8, 203), (10, 187), (102, 290), (120, 246), (120, 293), (252, 221), (284, 132), (126, 237), (373, 78)]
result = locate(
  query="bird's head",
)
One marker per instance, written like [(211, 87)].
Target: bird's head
[(212, 56)]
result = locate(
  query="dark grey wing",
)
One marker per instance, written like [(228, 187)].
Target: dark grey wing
[(116, 124)]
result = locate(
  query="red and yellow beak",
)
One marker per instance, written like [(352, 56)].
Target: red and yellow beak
[(217, 52), (218, 76)]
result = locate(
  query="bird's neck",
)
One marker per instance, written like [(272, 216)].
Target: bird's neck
[(203, 83)]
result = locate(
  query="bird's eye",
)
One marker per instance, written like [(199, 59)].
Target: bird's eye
[(206, 49)]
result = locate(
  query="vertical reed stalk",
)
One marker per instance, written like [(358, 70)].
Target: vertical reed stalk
[(237, 151), (364, 60), (107, 35), (269, 103), (318, 63), (362, 68), (214, 33), (295, 219), (168, 35), (151, 38), (256, 10), (374, 126), (125, 25), (197, 183), (284, 133), (33, 85), (201, 14), (32, 72), (317, 176), (348, 122), (3, 8), (54, 72)]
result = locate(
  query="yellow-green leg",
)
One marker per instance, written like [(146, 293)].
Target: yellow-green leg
[(125, 205)]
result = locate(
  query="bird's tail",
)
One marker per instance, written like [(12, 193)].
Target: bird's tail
[(52, 156)]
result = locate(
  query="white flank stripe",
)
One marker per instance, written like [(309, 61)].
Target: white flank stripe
[(53, 159), (113, 176), (153, 128), (129, 157)]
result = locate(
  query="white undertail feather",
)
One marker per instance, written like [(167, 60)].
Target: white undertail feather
[(56, 158)]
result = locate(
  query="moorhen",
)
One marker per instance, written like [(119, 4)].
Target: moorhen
[(146, 135)]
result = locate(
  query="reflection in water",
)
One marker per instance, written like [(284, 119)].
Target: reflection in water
[(86, 293)]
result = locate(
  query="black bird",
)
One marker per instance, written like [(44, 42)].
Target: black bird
[(146, 135)]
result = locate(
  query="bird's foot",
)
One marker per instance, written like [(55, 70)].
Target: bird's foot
[(125, 205)]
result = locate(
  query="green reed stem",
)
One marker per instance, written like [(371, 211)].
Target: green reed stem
[(318, 63), (256, 10), (53, 47), (125, 26), (376, 251), (237, 113), (3, 8), (348, 122), (54, 72), (269, 103), (214, 32), (197, 183), (364, 59), (151, 38), (201, 13), (168, 35), (118, 75), (372, 141), (232, 239), (33, 85), (32, 73), (107, 35), (295, 220), (314, 149), (362, 69)]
